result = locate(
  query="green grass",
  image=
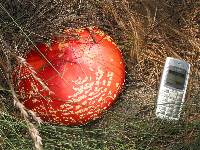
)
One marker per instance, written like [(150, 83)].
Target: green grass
[(136, 134)]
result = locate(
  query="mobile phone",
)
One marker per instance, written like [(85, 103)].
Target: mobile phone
[(172, 89)]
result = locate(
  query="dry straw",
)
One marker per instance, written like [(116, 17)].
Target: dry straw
[(24, 112)]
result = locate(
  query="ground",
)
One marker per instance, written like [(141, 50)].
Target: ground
[(146, 31)]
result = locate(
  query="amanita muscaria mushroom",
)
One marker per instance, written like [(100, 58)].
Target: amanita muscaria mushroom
[(84, 71)]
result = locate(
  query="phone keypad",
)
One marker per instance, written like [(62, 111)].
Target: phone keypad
[(169, 104)]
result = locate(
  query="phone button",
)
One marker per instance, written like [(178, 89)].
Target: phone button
[(169, 111), (161, 109), (166, 90), (178, 102), (175, 115)]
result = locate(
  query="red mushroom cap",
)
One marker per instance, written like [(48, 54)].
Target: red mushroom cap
[(83, 69)]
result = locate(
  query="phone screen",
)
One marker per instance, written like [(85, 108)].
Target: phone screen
[(176, 79)]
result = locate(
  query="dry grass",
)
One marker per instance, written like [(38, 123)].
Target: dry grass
[(6, 61), (147, 31)]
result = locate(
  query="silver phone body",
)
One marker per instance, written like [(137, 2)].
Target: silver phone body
[(172, 89)]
